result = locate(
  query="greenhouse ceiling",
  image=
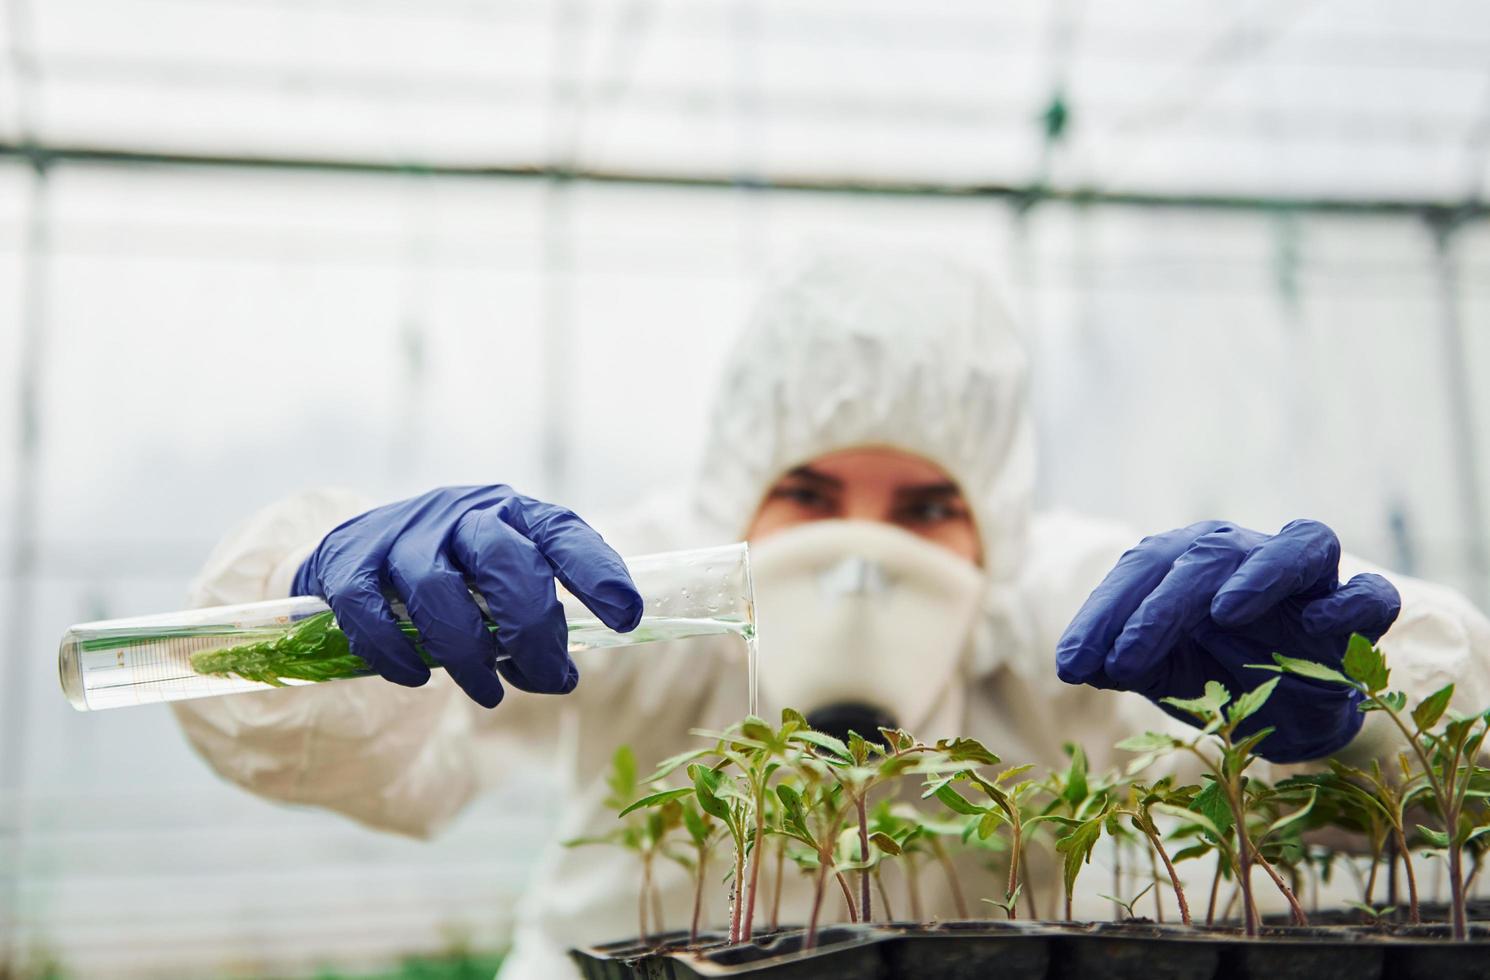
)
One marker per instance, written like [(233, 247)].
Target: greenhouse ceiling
[(1331, 99)]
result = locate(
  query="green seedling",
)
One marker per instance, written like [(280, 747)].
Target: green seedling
[(1009, 905), (849, 856), (912, 831), (814, 817), (1128, 905), (1006, 795), (759, 753), (1370, 913), (1446, 748), (1080, 805), (936, 835), (755, 749), (702, 832), (837, 778), (901, 754), (1223, 804), (1369, 802), (720, 798), (1141, 804), (652, 820)]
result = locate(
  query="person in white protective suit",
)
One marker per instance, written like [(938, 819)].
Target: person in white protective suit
[(871, 439)]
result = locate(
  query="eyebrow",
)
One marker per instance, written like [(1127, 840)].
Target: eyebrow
[(813, 476), (931, 490)]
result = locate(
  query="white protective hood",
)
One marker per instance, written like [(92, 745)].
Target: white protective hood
[(883, 348), (908, 350)]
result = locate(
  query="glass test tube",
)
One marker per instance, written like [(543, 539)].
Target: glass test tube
[(198, 653)]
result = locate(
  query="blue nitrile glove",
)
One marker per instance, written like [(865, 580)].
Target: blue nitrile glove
[(1200, 603), (509, 547)]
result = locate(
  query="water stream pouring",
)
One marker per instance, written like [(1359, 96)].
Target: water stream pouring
[(199, 653)]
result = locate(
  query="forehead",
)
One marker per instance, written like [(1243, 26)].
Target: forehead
[(879, 466)]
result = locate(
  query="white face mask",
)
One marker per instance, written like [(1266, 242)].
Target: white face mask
[(860, 613)]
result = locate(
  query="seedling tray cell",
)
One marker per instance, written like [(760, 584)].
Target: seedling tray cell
[(1304, 954), (969, 951), (1129, 952)]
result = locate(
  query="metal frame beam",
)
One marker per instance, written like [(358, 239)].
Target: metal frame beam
[(1023, 195)]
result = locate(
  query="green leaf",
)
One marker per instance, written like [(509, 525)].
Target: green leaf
[(1190, 853), (1365, 664), (988, 824), (1076, 782), (698, 827), (1295, 816), (1395, 700), (885, 842), (1374, 913), (706, 784), (957, 803), (1194, 818), (1243, 750), (1312, 670), (1435, 837), (1008, 903), (792, 715), (967, 750), (1077, 847), (1431, 708), (757, 730), (822, 741), (1128, 905), (1208, 810), (1149, 742), (1248, 704), (1013, 771), (733, 739), (1205, 707), (622, 778), (657, 799), (667, 766), (791, 802)]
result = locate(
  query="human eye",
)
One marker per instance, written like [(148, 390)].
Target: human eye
[(802, 496), (932, 511)]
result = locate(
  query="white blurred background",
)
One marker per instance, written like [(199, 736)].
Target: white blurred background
[(249, 246)]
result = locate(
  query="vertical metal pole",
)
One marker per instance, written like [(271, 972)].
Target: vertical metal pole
[(566, 115), (18, 651), (410, 373), (558, 338), (20, 648), (1461, 417), (749, 136)]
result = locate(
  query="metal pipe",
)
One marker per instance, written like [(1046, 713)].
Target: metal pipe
[(1437, 211)]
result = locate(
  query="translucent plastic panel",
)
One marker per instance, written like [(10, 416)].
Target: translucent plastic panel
[(16, 188), (1247, 368), (387, 82), (216, 341), (1333, 98), (658, 284)]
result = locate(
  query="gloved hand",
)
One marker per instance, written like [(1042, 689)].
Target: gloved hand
[(1200, 603), (510, 547)]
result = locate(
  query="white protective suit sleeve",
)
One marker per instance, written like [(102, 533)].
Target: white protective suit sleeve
[(389, 757)]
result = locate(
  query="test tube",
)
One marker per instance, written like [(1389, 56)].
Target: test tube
[(199, 653)]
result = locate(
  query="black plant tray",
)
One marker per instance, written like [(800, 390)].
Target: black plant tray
[(1055, 951)]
